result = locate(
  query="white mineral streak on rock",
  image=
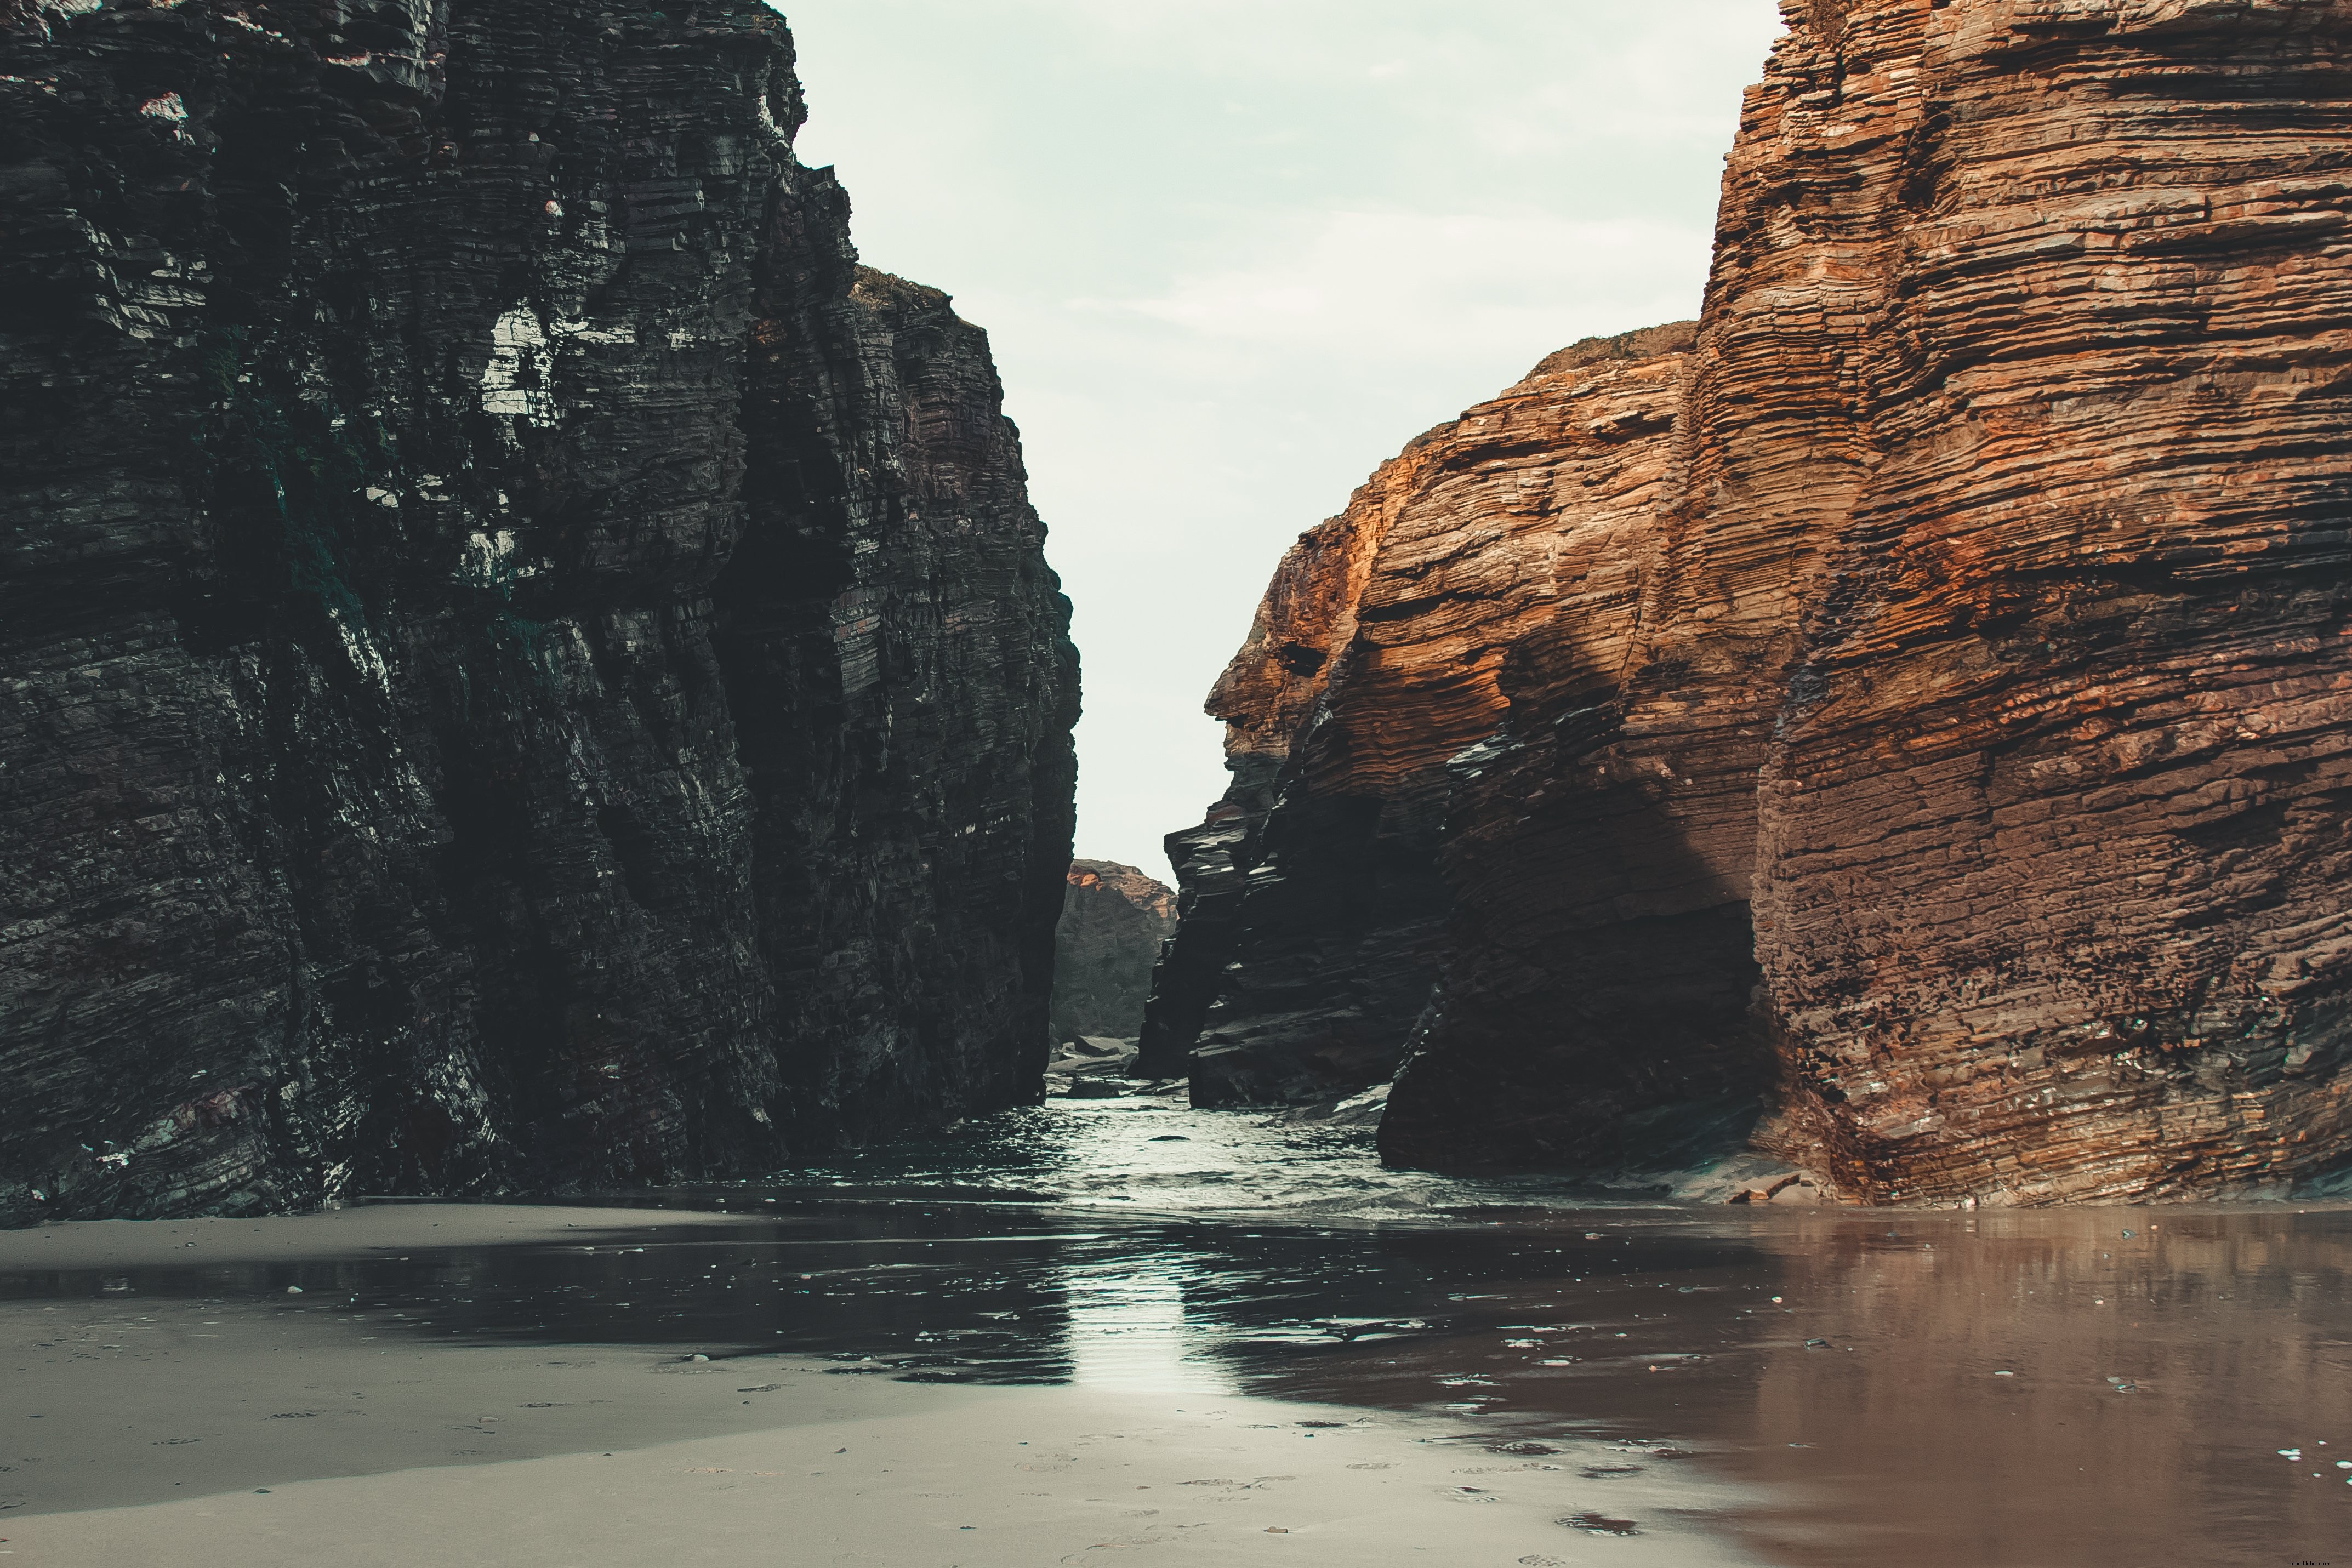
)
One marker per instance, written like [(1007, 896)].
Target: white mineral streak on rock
[(519, 377), (171, 110), (488, 558), (364, 656), (516, 380)]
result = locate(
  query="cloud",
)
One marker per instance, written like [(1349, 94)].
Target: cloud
[(1232, 256)]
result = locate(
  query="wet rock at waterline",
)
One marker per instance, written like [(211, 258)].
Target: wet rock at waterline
[(1092, 1056), (1903, 723), (523, 663), (1114, 919), (1099, 1067)]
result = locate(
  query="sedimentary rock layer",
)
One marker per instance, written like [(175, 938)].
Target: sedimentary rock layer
[(1989, 643), (2057, 838), (1264, 697), (1114, 919), (523, 663), (1386, 646), (1596, 1003)]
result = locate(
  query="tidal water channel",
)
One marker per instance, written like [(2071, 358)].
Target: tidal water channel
[(1814, 1386)]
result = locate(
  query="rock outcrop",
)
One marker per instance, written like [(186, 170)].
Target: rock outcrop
[(2056, 835), (1114, 919), (1974, 766), (1596, 1003), (521, 663), (1384, 648)]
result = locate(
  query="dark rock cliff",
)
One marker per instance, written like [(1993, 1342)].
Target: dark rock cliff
[(521, 663), (1962, 755), (1265, 696), (1114, 919)]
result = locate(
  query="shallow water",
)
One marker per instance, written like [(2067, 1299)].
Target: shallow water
[(2063, 1387)]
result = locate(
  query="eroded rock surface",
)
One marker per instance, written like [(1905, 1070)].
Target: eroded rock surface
[(1114, 919), (1387, 646), (2055, 847), (1973, 764), (1596, 1004), (523, 663)]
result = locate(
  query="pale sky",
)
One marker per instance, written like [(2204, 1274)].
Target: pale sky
[(1233, 255)]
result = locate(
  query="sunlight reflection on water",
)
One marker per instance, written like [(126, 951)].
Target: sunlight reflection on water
[(1127, 1329), (1158, 1153), (1826, 1387)]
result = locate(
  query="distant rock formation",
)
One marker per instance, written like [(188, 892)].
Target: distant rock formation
[(1963, 751), (521, 663), (1114, 919)]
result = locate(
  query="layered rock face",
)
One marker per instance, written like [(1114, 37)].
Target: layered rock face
[(1597, 1000), (1269, 690), (1974, 766), (1386, 646), (523, 663), (1114, 919), (2054, 850)]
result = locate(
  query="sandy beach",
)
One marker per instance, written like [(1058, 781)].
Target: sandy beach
[(900, 1377), (195, 1430)]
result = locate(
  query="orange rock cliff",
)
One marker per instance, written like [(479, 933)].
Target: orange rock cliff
[(1911, 706)]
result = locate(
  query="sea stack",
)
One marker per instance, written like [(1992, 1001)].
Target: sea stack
[(524, 663), (1114, 919), (1951, 793)]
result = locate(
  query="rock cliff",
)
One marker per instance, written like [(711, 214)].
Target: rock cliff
[(1384, 648), (1971, 767), (1114, 919), (1595, 1003), (2053, 840), (521, 663)]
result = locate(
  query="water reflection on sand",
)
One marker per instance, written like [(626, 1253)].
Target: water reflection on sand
[(1821, 1387)]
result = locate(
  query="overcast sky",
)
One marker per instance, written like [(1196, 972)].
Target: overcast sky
[(1233, 255)]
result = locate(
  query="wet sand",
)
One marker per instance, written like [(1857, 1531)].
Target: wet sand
[(377, 1229), (1154, 1300), (909, 1478), (143, 1430)]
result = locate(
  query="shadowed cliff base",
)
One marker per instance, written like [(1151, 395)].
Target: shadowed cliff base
[(1562, 834), (1601, 1003), (1315, 902)]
